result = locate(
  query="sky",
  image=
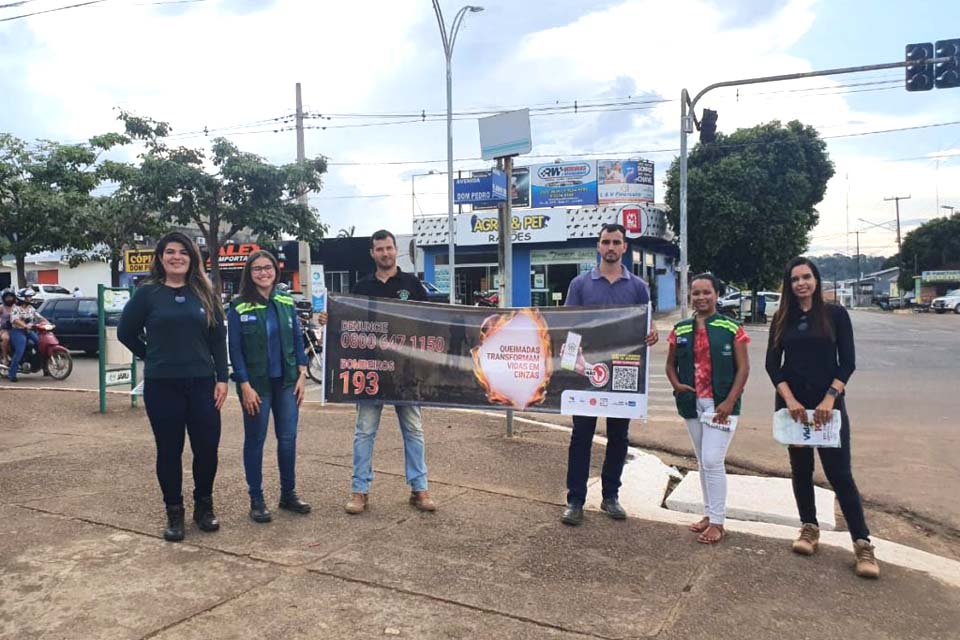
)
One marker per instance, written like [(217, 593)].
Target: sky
[(373, 83)]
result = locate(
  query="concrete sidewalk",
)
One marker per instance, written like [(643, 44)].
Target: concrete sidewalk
[(81, 554)]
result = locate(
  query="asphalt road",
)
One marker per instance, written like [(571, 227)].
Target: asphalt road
[(903, 402)]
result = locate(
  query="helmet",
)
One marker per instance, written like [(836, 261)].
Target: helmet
[(8, 292), (26, 292)]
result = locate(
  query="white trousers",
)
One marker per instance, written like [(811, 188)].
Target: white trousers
[(711, 446)]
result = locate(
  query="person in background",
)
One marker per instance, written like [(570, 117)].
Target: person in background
[(608, 284), (270, 368), (810, 358), (388, 281), (23, 319), (77, 293), (9, 300), (708, 366), (185, 373)]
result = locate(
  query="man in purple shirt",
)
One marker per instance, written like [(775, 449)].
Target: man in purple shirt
[(608, 284)]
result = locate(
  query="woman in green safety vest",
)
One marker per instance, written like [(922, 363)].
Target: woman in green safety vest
[(269, 367), (708, 366)]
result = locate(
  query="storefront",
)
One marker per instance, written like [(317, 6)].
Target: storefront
[(551, 246)]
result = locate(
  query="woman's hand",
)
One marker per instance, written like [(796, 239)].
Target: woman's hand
[(219, 395), (299, 388), (683, 388), (723, 411), (797, 411), (249, 398), (824, 411), (322, 318)]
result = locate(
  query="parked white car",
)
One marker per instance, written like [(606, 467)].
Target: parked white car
[(46, 292), (732, 301), (947, 302)]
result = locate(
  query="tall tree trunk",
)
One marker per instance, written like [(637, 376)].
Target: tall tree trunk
[(114, 271), (21, 270), (213, 246)]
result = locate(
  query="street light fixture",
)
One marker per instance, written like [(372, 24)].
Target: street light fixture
[(413, 193), (449, 40)]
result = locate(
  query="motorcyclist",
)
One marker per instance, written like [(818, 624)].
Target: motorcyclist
[(23, 319), (6, 308)]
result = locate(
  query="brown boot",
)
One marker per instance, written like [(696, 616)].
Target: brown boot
[(867, 566), (809, 540), (422, 501), (357, 503)]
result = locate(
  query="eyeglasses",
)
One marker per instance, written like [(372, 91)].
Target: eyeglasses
[(267, 268)]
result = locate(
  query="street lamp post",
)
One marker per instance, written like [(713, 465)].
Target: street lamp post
[(449, 40), (413, 192)]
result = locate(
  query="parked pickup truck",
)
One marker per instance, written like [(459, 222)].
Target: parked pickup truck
[(949, 302)]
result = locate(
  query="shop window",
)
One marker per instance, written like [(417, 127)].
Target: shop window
[(337, 281)]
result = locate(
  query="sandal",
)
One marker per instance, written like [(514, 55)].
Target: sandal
[(706, 539), (700, 526)]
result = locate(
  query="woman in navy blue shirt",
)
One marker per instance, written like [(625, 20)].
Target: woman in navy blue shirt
[(269, 367)]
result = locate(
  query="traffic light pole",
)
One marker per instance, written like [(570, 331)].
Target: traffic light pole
[(687, 109)]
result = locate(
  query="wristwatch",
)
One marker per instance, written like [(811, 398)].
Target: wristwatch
[(832, 392)]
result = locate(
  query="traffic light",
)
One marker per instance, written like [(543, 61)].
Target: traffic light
[(708, 126), (919, 74), (947, 74)]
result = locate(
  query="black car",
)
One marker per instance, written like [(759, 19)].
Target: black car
[(76, 320)]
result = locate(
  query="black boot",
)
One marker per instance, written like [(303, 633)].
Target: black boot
[(174, 530), (292, 502), (258, 511), (203, 514)]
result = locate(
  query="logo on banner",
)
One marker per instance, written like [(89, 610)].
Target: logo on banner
[(600, 375), (631, 219)]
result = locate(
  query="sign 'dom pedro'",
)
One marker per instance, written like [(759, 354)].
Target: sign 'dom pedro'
[(582, 360)]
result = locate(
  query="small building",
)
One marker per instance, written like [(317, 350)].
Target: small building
[(551, 246)]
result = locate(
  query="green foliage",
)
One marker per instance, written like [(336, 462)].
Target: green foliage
[(838, 266), (347, 232), (44, 194), (751, 200), (932, 246), (242, 191)]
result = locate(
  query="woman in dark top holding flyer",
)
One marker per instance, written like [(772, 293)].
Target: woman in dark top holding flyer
[(810, 358), (185, 373)]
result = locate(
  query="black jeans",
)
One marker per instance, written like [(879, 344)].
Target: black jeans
[(837, 468), (578, 457), (175, 406)]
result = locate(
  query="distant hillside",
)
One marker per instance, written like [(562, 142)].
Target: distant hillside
[(841, 267)]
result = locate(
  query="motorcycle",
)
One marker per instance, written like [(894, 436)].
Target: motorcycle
[(488, 299), (312, 345), (48, 356)]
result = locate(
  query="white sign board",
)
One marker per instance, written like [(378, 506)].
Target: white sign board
[(121, 376), (318, 288), (505, 134), (482, 227)]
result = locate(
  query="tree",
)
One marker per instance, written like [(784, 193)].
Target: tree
[(838, 266), (241, 191), (933, 245), (44, 192), (751, 200), (348, 232)]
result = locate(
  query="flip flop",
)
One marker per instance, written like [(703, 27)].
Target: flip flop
[(700, 526), (703, 540)]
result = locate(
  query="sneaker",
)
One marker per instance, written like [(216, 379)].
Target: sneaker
[(422, 501), (809, 540), (357, 503), (867, 566)]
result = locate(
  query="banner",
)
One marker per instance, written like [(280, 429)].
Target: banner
[(571, 360), (519, 189), (530, 225), (491, 186), (137, 260), (624, 181), (564, 184)]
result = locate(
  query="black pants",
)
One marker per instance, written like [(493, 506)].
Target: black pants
[(175, 406), (578, 457), (837, 468)]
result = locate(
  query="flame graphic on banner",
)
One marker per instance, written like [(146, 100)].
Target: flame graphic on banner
[(495, 324)]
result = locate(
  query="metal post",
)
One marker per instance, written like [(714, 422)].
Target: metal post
[(896, 200), (133, 364), (301, 150), (684, 247), (451, 261), (506, 274), (102, 343)]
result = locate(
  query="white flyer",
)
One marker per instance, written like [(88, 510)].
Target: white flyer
[(788, 431), (708, 420), (571, 350)]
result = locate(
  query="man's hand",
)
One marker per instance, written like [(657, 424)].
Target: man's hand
[(653, 336), (322, 318)]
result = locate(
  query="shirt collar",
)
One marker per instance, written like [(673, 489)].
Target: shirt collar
[(596, 275)]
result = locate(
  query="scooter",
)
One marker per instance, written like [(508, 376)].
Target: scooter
[(312, 345), (49, 356), (489, 299)]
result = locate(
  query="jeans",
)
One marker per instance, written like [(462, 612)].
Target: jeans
[(175, 405), (837, 468), (18, 345), (283, 402), (711, 446), (414, 455), (578, 457)]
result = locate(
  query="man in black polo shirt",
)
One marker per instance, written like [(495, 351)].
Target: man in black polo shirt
[(389, 282)]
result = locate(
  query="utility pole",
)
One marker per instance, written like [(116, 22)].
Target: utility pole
[(897, 200), (505, 251), (301, 152), (303, 247), (856, 285)]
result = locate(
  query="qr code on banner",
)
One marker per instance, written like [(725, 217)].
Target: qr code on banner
[(626, 378)]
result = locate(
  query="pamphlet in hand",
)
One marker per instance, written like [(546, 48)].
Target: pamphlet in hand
[(709, 420), (788, 431)]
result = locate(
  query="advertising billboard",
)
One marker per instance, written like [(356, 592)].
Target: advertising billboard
[(519, 189), (624, 181), (486, 187), (564, 184), (481, 227)]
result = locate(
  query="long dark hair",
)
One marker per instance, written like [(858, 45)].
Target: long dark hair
[(818, 317), (248, 289), (196, 279)]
